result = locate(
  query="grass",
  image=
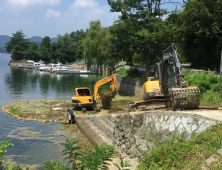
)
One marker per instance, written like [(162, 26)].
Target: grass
[(131, 73), (16, 111), (40, 109), (208, 83), (177, 153)]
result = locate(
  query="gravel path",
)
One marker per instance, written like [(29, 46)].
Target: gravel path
[(214, 114)]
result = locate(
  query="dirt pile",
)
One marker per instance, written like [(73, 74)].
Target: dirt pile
[(106, 99)]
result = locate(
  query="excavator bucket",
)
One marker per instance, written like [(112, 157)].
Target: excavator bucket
[(185, 98), (107, 99)]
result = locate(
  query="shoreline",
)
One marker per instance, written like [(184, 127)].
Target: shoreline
[(24, 63)]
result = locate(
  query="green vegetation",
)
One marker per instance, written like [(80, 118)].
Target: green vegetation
[(4, 145), (131, 73), (137, 37), (89, 157), (124, 165), (177, 153), (141, 37), (208, 83), (97, 47), (174, 153), (16, 111), (67, 49)]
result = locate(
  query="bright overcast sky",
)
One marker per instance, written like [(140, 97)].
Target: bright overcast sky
[(52, 17)]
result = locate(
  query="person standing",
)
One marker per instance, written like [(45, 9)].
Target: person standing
[(71, 116)]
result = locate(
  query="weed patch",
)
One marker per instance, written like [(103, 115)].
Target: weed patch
[(16, 111), (178, 153)]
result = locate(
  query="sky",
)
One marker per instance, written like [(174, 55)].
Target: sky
[(53, 17)]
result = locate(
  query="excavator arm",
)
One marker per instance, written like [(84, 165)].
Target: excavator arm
[(170, 57), (111, 79), (173, 83)]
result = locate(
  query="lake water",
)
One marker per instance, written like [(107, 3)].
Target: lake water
[(34, 142)]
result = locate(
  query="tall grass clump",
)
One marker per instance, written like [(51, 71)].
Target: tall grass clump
[(178, 153), (16, 111), (208, 83)]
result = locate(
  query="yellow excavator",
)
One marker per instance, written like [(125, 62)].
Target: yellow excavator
[(168, 85), (86, 101)]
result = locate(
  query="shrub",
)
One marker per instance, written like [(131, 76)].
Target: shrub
[(4, 145), (208, 84), (177, 153)]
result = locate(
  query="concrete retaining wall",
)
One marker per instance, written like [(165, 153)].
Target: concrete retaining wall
[(129, 87), (125, 131)]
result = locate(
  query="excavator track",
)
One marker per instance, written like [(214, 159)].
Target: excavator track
[(149, 104), (185, 98)]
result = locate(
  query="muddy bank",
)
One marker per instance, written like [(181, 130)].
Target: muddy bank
[(56, 112)]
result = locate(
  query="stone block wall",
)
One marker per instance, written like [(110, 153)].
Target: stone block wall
[(125, 131), (129, 87)]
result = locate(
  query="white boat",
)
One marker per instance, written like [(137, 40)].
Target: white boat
[(50, 67), (59, 68), (35, 64)]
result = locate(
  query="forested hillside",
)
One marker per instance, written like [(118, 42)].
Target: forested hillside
[(37, 39), (137, 37)]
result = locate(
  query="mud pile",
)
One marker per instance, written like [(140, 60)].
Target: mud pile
[(106, 99)]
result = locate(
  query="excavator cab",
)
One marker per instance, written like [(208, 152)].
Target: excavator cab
[(83, 92), (83, 99), (151, 88)]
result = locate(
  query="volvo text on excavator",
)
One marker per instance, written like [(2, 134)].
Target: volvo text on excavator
[(168, 85), (84, 99)]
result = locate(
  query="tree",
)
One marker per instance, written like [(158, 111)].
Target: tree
[(77, 35), (17, 45), (202, 28), (46, 42), (146, 14), (54, 51), (44, 51), (172, 32), (45, 54), (97, 46), (77, 43), (66, 48), (32, 53), (124, 42)]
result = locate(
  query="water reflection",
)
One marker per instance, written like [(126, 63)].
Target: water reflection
[(35, 142), (47, 85)]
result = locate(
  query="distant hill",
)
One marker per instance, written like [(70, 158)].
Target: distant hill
[(37, 39), (3, 39), (54, 39)]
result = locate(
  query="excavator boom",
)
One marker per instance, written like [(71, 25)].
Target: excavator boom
[(111, 79), (173, 83)]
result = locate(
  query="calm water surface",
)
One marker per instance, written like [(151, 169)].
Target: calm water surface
[(34, 142)]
